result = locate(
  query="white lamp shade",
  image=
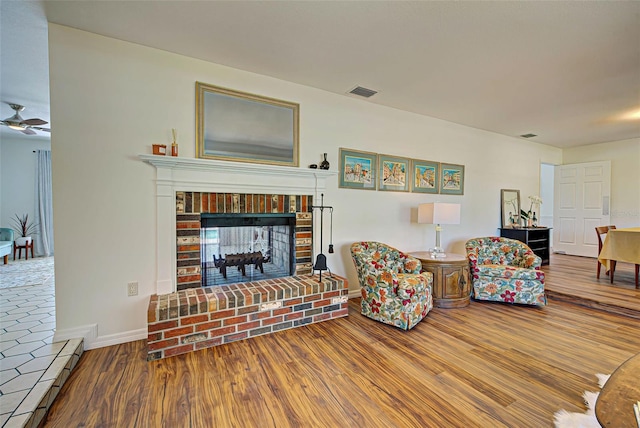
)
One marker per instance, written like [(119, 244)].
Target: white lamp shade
[(439, 213)]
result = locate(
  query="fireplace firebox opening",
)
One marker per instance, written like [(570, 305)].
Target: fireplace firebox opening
[(238, 247)]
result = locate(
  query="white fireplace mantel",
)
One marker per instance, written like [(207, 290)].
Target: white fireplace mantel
[(197, 174), (174, 174)]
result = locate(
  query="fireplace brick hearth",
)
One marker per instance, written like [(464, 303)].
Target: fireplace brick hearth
[(199, 318)]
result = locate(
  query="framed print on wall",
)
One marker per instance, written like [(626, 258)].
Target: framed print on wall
[(358, 169), (425, 176), (451, 179), (393, 173), (242, 127)]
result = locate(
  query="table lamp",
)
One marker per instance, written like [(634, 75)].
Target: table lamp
[(438, 213)]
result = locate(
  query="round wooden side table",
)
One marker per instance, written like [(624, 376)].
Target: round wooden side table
[(451, 286), (614, 406)]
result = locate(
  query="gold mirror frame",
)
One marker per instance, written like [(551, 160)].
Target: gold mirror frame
[(510, 203), (242, 127)]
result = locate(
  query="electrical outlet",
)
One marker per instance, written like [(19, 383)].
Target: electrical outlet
[(132, 288)]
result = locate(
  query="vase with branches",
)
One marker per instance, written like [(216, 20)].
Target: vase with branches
[(24, 227), (530, 216)]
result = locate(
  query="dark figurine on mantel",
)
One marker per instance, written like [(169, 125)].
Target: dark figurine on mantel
[(325, 163)]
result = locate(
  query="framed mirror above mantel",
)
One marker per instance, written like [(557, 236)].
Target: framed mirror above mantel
[(243, 127), (510, 208)]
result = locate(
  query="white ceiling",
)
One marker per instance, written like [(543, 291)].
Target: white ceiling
[(564, 70), (24, 63)]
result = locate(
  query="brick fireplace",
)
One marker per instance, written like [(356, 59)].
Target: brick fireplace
[(182, 315)]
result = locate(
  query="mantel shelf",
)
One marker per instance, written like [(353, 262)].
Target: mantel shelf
[(173, 162)]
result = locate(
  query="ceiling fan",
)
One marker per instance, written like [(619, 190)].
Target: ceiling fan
[(26, 126)]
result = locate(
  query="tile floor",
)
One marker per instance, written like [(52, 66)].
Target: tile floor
[(32, 367)]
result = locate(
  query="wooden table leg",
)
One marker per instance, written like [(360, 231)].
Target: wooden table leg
[(612, 269)]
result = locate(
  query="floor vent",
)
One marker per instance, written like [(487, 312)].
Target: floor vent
[(363, 92)]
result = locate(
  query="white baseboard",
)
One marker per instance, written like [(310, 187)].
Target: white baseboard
[(118, 338), (88, 332), (93, 341), (354, 294)]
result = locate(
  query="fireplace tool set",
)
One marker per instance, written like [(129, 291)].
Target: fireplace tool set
[(321, 259)]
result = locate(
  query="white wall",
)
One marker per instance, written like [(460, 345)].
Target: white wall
[(18, 165), (111, 100), (625, 176)]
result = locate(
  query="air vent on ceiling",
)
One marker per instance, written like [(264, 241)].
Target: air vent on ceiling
[(528, 135), (363, 92)]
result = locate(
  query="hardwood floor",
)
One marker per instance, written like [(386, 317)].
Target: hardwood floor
[(573, 279), (486, 365)]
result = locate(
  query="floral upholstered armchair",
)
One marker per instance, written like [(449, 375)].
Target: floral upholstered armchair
[(393, 289), (505, 270)]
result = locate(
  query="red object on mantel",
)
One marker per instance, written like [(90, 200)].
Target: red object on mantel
[(174, 149), (159, 149)]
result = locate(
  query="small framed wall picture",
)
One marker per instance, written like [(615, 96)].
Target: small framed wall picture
[(394, 173), (358, 169), (425, 177), (451, 179)]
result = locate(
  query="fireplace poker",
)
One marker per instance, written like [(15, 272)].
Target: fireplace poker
[(321, 259), (330, 230)]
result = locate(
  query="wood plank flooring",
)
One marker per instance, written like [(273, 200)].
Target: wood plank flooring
[(486, 365), (573, 279)]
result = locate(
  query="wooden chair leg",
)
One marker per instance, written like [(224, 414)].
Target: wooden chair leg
[(598, 269), (637, 271), (612, 269)]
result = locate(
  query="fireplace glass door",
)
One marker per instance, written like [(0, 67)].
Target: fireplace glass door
[(241, 248)]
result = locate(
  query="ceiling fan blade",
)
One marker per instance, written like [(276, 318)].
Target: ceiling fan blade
[(41, 129), (28, 131), (34, 121)]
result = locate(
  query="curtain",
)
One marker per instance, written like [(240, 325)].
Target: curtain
[(237, 239), (44, 240)]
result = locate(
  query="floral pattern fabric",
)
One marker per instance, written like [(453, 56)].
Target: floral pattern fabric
[(394, 291), (505, 270)]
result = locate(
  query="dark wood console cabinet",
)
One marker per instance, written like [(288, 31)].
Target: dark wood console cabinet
[(537, 238)]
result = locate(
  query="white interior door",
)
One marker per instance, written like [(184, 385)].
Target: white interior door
[(581, 202)]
